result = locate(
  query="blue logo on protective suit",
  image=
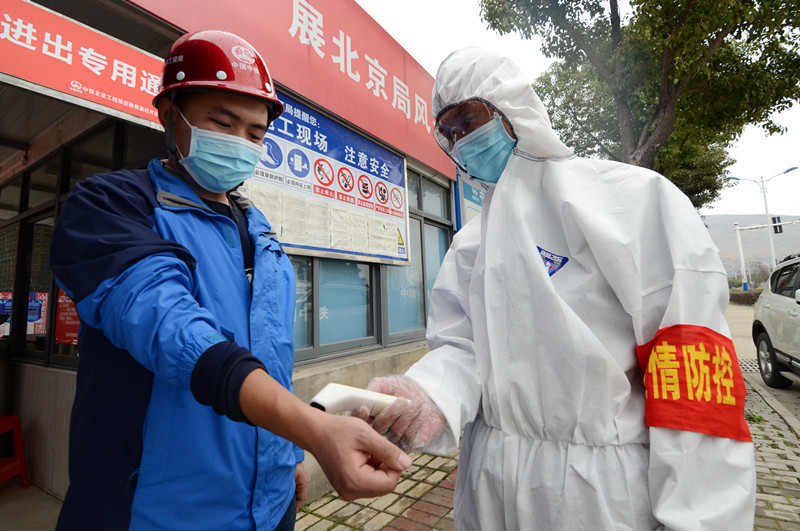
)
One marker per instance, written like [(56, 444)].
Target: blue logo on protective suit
[(553, 262)]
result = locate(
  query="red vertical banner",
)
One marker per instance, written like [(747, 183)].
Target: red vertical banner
[(67, 320)]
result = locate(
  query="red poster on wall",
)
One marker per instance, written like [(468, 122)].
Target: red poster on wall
[(67, 320)]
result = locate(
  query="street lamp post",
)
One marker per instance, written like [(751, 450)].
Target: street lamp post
[(763, 185), (745, 284)]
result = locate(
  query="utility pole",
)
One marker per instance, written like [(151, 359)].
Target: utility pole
[(745, 284), (763, 185)]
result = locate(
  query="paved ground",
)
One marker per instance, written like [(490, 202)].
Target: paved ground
[(423, 499)]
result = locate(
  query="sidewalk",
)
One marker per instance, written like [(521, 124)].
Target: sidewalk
[(424, 498)]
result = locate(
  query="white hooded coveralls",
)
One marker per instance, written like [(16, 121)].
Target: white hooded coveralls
[(541, 370)]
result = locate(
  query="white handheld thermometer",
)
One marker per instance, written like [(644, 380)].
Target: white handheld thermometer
[(337, 398)]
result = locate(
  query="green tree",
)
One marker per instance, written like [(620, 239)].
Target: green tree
[(667, 86)]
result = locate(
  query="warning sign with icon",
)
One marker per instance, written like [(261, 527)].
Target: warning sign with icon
[(318, 170)]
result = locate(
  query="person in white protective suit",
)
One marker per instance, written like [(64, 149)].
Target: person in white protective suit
[(577, 335)]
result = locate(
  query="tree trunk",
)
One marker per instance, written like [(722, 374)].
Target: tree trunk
[(645, 154)]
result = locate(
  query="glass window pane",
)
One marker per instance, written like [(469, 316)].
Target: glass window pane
[(303, 307), (8, 262), (434, 199), (436, 244), (143, 144), (345, 301), (9, 198), (92, 155), (786, 282), (43, 182), (406, 310), (39, 285), (413, 189)]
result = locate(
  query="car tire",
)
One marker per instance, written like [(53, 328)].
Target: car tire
[(768, 365)]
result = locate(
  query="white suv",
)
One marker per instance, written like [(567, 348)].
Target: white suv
[(776, 324)]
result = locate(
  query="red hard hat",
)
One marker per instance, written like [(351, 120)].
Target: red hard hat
[(218, 60)]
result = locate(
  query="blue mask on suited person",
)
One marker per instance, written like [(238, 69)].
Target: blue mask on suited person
[(485, 151), (219, 162)]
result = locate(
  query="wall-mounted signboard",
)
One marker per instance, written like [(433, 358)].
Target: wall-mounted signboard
[(328, 191)]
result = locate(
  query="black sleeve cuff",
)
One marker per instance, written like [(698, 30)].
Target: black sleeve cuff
[(218, 376)]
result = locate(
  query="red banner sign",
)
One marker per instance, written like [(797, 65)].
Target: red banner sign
[(45, 48), (333, 53)]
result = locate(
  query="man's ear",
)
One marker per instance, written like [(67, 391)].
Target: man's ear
[(163, 111)]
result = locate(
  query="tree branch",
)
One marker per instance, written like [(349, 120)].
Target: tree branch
[(559, 18), (616, 32), (591, 135)]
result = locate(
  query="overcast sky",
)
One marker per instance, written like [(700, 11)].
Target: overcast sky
[(429, 30)]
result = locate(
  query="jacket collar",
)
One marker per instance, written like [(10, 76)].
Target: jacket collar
[(172, 191)]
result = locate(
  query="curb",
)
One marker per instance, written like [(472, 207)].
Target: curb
[(758, 386)]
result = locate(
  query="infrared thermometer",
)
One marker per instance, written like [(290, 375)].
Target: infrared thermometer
[(337, 398)]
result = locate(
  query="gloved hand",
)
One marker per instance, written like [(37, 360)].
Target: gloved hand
[(410, 425)]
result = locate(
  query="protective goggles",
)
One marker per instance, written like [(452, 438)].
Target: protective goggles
[(459, 120)]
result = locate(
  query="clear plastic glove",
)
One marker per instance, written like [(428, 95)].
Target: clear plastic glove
[(410, 425)]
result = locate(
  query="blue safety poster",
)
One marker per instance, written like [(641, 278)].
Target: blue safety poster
[(328, 191)]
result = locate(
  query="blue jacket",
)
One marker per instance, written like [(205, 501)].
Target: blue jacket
[(167, 322)]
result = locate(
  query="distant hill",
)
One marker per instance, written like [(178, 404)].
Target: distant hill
[(755, 243)]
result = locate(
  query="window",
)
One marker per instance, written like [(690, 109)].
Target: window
[(39, 284), (38, 320), (92, 155), (335, 309), (405, 288), (785, 282), (345, 301), (10, 196), (43, 182), (437, 241), (409, 287), (435, 200), (304, 307), (8, 259)]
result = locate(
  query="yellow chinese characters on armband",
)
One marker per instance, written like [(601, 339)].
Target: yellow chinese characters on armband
[(693, 382)]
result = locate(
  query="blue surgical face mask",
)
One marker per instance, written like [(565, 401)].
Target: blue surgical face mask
[(485, 151), (218, 162)]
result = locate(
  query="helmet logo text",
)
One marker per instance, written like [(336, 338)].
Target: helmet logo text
[(243, 54)]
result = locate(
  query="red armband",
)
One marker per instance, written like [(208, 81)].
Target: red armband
[(693, 382)]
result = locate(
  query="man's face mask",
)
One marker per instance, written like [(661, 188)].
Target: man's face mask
[(485, 151), (216, 161)]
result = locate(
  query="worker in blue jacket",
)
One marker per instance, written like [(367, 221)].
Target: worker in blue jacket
[(183, 414)]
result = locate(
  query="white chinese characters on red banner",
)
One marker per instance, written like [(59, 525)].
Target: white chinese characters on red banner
[(43, 47)]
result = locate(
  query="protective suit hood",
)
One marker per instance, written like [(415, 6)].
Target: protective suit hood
[(481, 73)]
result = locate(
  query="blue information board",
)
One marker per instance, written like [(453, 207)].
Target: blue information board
[(329, 191)]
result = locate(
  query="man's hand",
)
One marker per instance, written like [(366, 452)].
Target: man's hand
[(300, 485), (358, 462)]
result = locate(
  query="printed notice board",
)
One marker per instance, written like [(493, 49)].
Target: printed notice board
[(328, 191)]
